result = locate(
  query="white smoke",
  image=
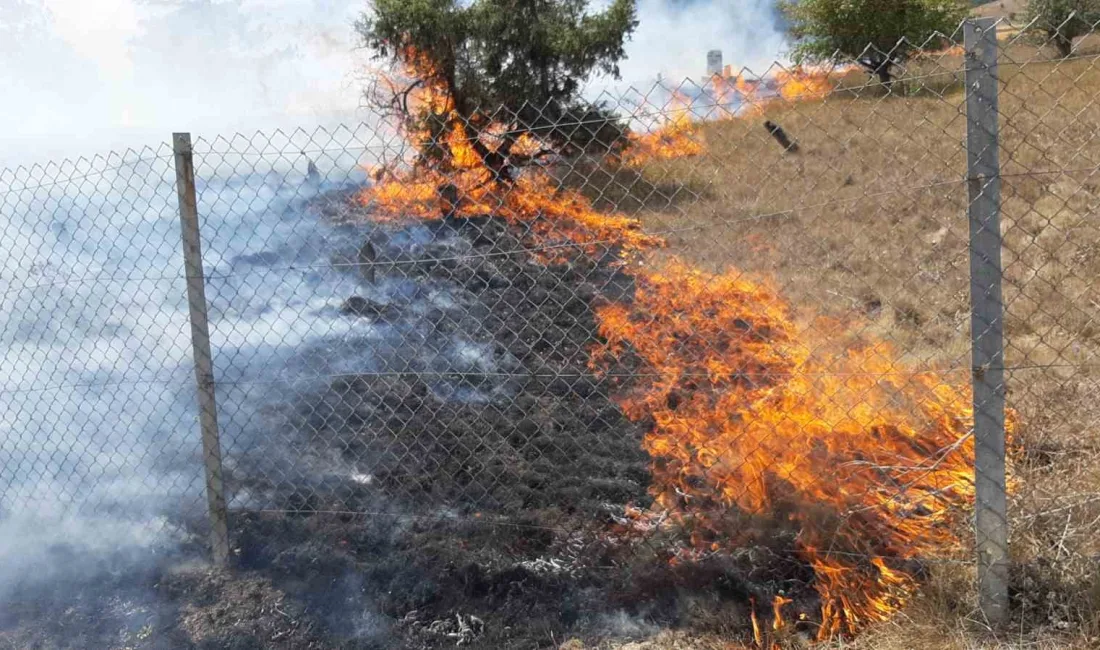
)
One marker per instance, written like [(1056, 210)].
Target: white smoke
[(674, 36), (115, 73), (85, 76)]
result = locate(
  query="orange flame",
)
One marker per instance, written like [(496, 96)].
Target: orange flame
[(560, 219), (801, 84), (777, 611), (869, 463), (678, 137), (757, 635), (734, 96), (756, 421), (750, 95)]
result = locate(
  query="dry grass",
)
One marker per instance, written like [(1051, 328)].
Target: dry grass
[(868, 225)]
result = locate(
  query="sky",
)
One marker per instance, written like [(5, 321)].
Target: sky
[(105, 74)]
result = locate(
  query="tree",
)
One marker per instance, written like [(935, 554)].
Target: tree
[(1063, 20), (878, 34), (516, 63)]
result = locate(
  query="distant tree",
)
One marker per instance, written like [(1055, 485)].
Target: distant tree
[(1062, 21), (878, 34), (521, 63)]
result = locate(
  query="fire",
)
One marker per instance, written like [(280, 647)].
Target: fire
[(463, 185), (751, 104), (723, 91), (757, 635), (777, 611), (758, 424), (560, 219), (677, 137), (756, 421), (778, 623), (732, 96), (801, 84)]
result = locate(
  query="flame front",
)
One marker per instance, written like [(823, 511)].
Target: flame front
[(803, 84), (756, 421), (758, 424), (677, 137), (724, 96)]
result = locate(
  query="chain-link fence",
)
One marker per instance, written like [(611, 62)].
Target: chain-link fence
[(718, 370)]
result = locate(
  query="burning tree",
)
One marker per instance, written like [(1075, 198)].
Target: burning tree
[(762, 432), (501, 74), (879, 35)]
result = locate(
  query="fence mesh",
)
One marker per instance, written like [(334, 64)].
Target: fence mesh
[(713, 371), (1049, 165), (96, 392)]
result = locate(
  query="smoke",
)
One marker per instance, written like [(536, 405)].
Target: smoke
[(118, 73), (89, 76), (674, 36)]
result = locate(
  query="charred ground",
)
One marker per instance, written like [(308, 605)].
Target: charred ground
[(477, 508)]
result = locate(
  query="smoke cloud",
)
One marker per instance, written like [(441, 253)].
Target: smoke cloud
[(116, 73), (674, 36), (89, 76)]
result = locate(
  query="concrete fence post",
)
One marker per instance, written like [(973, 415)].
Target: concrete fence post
[(987, 316)]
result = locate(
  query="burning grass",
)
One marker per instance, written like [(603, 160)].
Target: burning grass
[(560, 220), (816, 399), (765, 418), (866, 226), (463, 183), (677, 125), (757, 424), (867, 464), (793, 364)]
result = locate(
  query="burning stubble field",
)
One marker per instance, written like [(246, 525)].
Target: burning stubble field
[(719, 389), (865, 227)]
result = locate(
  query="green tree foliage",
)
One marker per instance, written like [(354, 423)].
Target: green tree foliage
[(879, 34), (518, 62), (1063, 20)]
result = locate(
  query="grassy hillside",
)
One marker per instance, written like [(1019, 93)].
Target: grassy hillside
[(867, 226)]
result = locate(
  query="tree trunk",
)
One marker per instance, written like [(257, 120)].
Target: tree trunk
[(496, 161), (1064, 44), (885, 73)]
